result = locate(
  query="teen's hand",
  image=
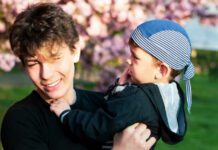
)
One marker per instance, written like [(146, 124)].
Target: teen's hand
[(134, 137), (59, 106)]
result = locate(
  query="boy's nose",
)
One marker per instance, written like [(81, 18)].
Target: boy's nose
[(129, 61), (46, 71)]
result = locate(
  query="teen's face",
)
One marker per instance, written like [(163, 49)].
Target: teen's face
[(142, 67), (52, 75)]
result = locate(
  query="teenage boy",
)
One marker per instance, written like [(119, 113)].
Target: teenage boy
[(45, 39)]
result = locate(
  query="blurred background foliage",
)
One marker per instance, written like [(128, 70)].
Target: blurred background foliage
[(105, 27), (206, 63)]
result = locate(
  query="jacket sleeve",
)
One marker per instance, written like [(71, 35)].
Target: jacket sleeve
[(19, 132), (119, 111), (88, 100)]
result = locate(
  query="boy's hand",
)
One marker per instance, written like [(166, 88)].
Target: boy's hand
[(124, 76), (59, 106)]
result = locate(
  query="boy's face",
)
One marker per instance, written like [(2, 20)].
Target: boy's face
[(142, 66), (52, 73)]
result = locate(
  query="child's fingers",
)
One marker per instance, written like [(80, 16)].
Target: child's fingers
[(124, 76), (52, 107)]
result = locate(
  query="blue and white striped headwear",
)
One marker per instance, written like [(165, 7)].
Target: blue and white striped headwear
[(168, 42)]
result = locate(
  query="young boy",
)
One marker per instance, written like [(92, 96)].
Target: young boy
[(160, 50)]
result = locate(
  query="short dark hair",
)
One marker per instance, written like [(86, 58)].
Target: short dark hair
[(39, 24)]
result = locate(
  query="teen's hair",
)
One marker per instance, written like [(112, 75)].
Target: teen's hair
[(41, 24), (173, 72)]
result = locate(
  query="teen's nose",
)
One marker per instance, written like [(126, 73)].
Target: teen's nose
[(46, 71)]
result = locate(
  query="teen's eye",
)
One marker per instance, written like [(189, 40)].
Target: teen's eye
[(57, 58), (31, 64)]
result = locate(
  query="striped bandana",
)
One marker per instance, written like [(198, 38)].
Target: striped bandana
[(168, 42)]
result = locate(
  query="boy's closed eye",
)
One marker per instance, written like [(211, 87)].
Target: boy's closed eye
[(134, 55), (56, 58), (31, 63)]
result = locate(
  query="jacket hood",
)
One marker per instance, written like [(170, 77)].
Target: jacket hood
[(169, 104), (172, 113)]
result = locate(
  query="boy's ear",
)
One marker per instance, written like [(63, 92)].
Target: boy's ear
[(163, 71), (76, 52)]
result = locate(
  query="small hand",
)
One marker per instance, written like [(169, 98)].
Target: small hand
[(59, 106), (124, 76)]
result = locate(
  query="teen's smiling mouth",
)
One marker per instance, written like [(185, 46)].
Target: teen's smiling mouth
[(52, 86)]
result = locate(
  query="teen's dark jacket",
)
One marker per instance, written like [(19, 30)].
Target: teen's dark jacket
[(30, 125)]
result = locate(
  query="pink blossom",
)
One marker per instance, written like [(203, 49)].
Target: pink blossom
[(106, 17), (173, 6), (202, 2), (137, 13), (117, 9), (107, 43), (7, 2), (22, 4), (53, 1), (186, 5), (101, 5), (101, 56), (83, 7), (7, 61), (69, 7), (120, 4), (122, 16), (117, 43), (2, 27), (82, 42), (97, 27), (80, 19), (105, 26), (160, 12), (143, 1), (178, 13)]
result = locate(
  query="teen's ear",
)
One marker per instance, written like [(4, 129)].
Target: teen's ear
[(76, 52), (162, 71)]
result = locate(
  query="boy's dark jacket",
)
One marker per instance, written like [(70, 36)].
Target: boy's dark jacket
[(136, 103)]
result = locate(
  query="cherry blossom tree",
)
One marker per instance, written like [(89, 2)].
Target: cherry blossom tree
[(105, 27)]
